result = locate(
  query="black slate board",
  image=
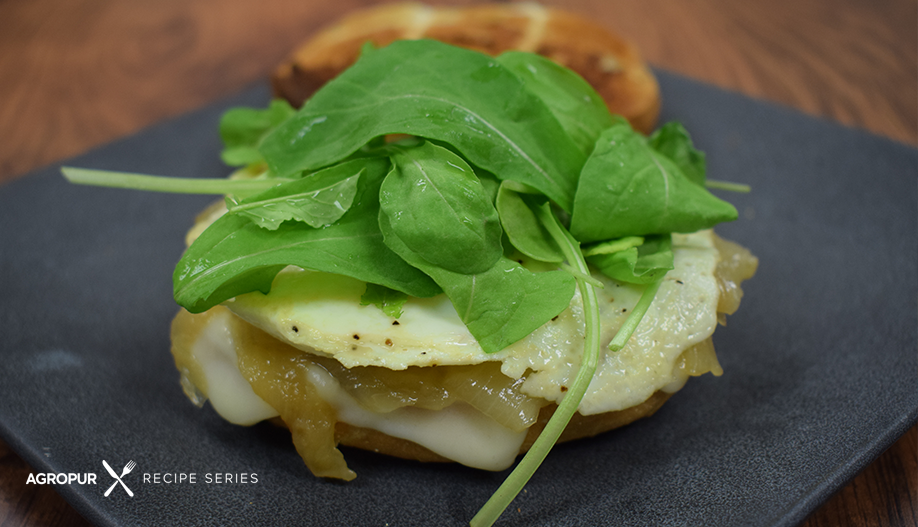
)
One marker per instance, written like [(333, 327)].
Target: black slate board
[(820, 360)]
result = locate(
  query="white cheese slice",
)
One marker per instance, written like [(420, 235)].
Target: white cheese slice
[(229, 392), (458, 432)]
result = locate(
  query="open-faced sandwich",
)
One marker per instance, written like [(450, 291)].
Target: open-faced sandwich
[(456, 249)]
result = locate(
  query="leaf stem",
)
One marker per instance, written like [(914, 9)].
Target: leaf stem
[(576, 273), (517, 479), (637, 314), (176, 185), (728, 185)]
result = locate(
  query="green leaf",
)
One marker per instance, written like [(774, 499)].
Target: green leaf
[(501, 305), (524, 230), (432, 90), (627, 188), (367, 48), (438, 208), (243, 129), (641, 264), (235, 256), (318, 199), (613, 246), (673, 141), (489, 181), (575, 104), (388, 300)]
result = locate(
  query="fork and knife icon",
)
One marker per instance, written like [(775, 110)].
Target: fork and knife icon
[(127, 468)]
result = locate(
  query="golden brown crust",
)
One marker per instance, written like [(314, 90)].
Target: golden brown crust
[(580, 426), (608, 62)]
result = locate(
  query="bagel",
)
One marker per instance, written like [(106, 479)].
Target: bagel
[(607, 61)]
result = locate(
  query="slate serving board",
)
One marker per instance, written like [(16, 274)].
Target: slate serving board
[(820, 361)]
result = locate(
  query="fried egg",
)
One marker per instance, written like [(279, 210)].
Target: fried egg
[(320, 313)]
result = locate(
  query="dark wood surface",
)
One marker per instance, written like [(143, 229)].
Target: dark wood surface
[(74, 75)]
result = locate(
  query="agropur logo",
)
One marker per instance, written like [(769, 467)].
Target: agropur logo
[(154, 478), (88, 478)]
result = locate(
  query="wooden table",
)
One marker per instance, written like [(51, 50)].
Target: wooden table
[(74, 75)]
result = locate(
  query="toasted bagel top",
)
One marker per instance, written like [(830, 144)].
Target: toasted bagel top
[(604, 59)]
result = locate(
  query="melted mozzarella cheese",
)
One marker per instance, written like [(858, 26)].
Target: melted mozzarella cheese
[(229, 392), (457, 432), (319, 312)]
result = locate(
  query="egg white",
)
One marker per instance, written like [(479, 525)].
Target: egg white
[(321, 313)]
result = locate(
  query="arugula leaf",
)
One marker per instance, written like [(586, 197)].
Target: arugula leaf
[(474, 104), (499, 306), (575, 104), (673, 141), (640, 264), (318, 199), (438, 208), (388, 300), (523, 228), (628, 188), (235, 256), (489, 181), (613, 246), (243, 129)]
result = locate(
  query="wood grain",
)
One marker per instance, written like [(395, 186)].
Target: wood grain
[(885, 494), (74, 75)]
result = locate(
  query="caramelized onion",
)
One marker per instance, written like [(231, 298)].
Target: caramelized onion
[(736, 264)]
